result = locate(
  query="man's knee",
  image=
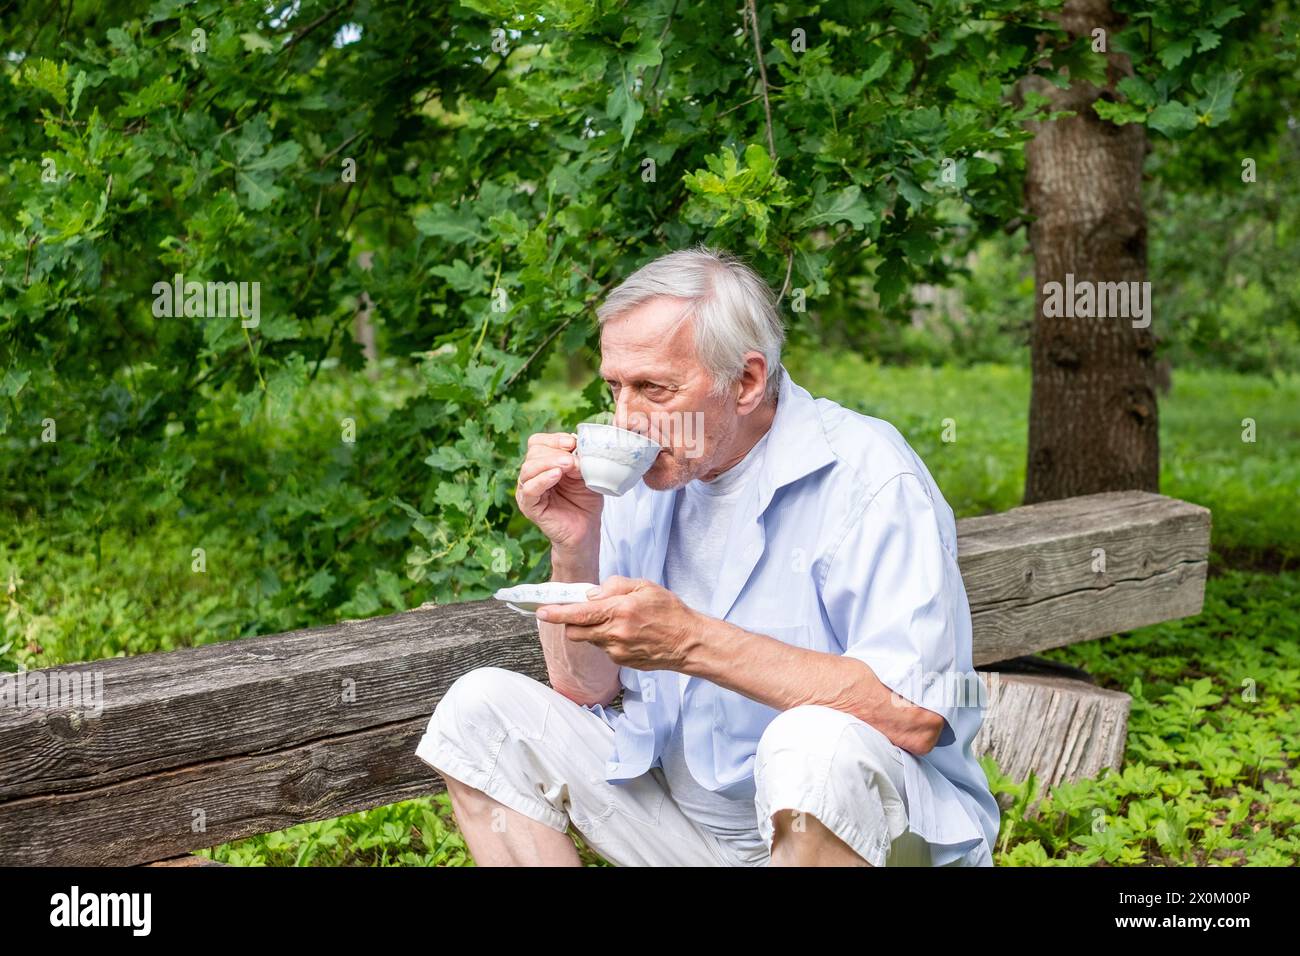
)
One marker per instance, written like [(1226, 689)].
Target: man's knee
[(812, 743), (483, 704), (814, 731), (818, 731)]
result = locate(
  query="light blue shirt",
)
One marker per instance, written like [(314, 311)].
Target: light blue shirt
[(840, 543)]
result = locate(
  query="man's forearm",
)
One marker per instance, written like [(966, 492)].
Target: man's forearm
[(783, 676), (580, 670)]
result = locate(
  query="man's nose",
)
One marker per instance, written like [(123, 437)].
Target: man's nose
[(627, 413)]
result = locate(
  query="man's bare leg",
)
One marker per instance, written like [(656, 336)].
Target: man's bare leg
[(499, 836), (800, 839)]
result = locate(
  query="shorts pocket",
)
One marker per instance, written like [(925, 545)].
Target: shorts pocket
[(640, 800)]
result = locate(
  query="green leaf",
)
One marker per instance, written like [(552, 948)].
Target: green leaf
[(162, 92), (277, 157), (120, 40), (1172, 118), (453, 496), (13, 381), (221, 333), (1174, 53), (891, 279), (279, 327), (446, 458), (1137, 90), (878, 67), (759, 162), (646, 53), (455, 225), (811, 269), (916, 196), (255, 42), (969, 85), (461, 277), (319, 584), (48, 77), (247, 405), (909, 18), (78, 85), (1225, 15), (1208, 40), (502, 415), (390, 589), (284, 384), (1119, 113), (846, 205), (1216, 104), (252, 140), (258, 189), (622, 104)]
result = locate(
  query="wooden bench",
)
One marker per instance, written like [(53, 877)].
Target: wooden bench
[(198, 747)]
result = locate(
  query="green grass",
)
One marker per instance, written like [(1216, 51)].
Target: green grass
[(1209, 776), (418, 832)]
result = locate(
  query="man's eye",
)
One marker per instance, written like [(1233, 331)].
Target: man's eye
[(657, 391)]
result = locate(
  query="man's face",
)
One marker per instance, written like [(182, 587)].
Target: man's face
[(660, 389)]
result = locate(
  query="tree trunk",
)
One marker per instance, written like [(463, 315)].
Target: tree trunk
[(1092, 410), (364, 328)]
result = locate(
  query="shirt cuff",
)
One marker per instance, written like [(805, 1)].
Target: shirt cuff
[(935, 691)]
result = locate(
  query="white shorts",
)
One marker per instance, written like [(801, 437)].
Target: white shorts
[(540, 753)]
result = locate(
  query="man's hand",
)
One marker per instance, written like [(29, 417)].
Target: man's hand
[(553, 496), (638, 624)]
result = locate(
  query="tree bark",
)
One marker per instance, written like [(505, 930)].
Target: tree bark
[(1092, 411), (364, 328)]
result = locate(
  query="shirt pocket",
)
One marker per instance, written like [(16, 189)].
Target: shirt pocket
[(742, 719)]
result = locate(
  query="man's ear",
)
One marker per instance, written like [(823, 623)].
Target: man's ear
[(752, 384)]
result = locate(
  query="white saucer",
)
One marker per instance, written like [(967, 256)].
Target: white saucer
[(527, 598)]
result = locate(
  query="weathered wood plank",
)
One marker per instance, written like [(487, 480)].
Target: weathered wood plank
[(1032, 580), (265, 732), (1031, 577), (1011, 630), (166, 814), (1061, 728), (161, 711)]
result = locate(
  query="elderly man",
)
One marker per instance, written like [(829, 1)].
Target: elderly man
[(779, 604)]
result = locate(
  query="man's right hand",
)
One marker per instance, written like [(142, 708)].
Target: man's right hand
[(553, 496)]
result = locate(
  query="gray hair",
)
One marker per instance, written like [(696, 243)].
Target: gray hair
[(733, 308)]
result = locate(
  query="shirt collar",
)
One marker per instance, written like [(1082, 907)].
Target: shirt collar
[(796, 441)]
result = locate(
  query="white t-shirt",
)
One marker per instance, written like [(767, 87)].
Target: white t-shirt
[(692, 563)]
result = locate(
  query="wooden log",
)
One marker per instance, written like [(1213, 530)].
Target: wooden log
[(1031, 577), (1061, 728), (201, 705), (206, 804), (262, 733)]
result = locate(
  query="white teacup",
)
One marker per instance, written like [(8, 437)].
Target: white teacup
[(613, 459)]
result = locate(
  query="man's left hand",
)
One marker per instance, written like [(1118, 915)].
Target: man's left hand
[(638, 623)]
